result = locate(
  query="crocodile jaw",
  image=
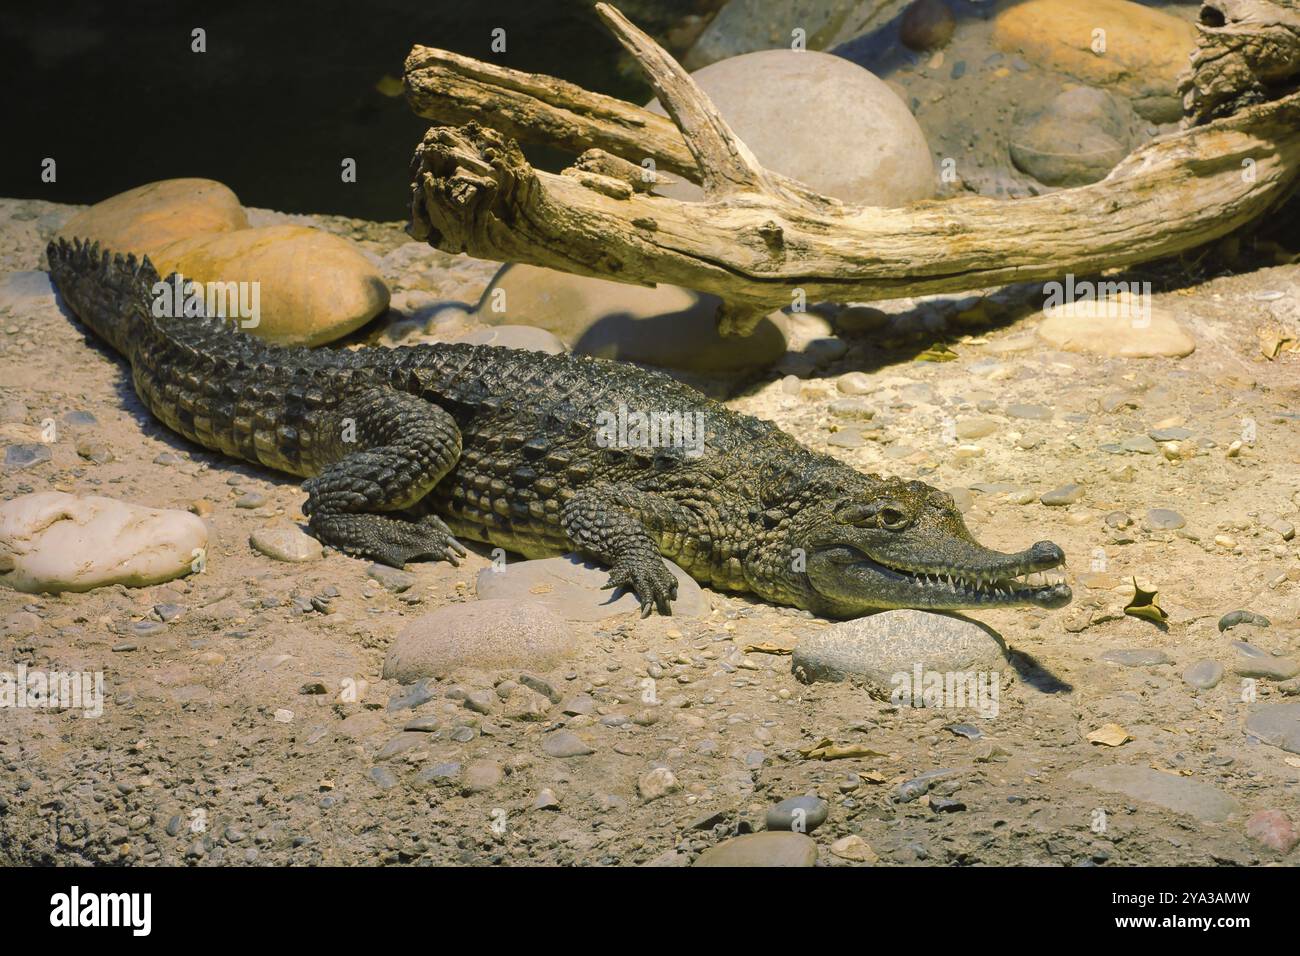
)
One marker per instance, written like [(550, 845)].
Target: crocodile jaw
[(849, 581)]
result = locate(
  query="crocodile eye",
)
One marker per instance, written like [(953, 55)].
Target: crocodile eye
[(893, 518)]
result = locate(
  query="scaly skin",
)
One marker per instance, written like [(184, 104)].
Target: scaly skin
[(406, 448)]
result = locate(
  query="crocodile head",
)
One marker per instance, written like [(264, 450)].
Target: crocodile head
[(869, 544)]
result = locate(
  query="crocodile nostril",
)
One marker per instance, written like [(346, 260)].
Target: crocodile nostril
[(1047, 551)]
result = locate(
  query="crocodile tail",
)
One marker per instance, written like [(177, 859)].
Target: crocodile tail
[(113, 294)]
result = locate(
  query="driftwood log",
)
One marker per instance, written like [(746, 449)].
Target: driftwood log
[(759, 241)]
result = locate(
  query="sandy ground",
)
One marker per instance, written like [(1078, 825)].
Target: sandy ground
[(194, 759)]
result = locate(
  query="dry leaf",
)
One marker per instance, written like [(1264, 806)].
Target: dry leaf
[(1111, 735), (937, 353), (854, 848), (1144, 605), (767, 647), (826, 749)]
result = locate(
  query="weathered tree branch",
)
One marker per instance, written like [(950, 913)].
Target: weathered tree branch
[(754, 242), (1249, 53)]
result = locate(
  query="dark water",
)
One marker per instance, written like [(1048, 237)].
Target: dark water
[(283, 94)]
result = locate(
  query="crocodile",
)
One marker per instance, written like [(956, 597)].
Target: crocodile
[(406, 450)]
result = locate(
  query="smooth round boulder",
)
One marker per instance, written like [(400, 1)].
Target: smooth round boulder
[(664, 325), (144, 219), (885, 652), (822, 120), (1076, 139), (479, 635), (53, 542), (312, 287)]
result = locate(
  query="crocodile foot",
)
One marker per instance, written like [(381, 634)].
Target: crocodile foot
[(652, 582), (389, 541)]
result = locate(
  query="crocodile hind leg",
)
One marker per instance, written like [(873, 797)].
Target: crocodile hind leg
[(386, 450), (607, 522)]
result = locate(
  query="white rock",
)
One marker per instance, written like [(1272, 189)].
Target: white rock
[(659, 782), (822, 120), (55, 542), (286, 544)]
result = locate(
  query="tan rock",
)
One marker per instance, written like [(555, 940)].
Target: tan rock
[(54, 542), (665, 325), (144, 219), (1144, 49), (314, 287), (1130, 333), (767, 848), (481, 635)]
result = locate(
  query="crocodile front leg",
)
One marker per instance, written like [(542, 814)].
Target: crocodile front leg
[(386, 450), (606, 522)]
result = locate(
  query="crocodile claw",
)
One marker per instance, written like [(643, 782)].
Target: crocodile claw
[(655, 587), (387, 540)]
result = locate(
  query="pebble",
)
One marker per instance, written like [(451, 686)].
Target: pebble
[(1204, 674), (565, 744), (1273, 828), (917, 787), (855, 383), (1254, 661), (800, 814), (1064, 495), (546, 800), (94, 451), (854, 849), (1163, 519), (657, 783), (1233, 618), (972, 428), (286, 544), (1140, 444), (854, 408), (1136, 657), (20, 457), (846, 438), (481, 775), (400, 744), (383, 777), (439, 775), (1038, 413), (769, 848)]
